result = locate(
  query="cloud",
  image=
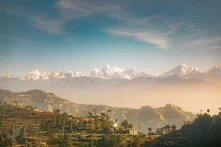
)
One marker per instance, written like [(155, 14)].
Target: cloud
[(169, 35), (165, 32), (149, 37), (54, 26), (66, 10), (208, 43), (71, 9)]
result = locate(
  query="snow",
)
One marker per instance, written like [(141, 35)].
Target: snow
[(113, 72), (34, 75), (181, 71), (6, 76)]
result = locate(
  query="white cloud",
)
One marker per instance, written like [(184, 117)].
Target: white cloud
[(77, 8), (45, 23), (163, 32), (69, 10), (149, 37), (203, 43), (48, 25)]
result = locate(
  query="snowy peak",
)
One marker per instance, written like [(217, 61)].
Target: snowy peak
[(182, 71), (113, 72), (6, 76), (111, 69), (34, 75), (107, 72)]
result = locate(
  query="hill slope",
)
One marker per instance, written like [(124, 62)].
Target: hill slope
[(141, 118), (204, 131)]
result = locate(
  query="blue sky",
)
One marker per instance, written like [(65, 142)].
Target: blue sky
[(149, 35)]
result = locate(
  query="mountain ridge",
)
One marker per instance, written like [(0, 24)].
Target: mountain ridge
[(134, 92), (113, 72), (141, 118)]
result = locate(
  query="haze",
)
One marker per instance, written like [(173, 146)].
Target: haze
[(149, 36)]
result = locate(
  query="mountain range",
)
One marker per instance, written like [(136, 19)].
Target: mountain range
[(141, 118), (183, 85), (112, 72)]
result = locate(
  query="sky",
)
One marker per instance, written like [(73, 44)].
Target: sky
[(78, 35)]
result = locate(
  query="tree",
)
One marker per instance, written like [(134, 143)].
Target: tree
[(208, 110), (138, 141), (174, 127), (56, 111), (23, 134), (62, 126), (104, 116), (65, 140), (105, 123), (61, 121), (7, 139), (112, 141), (149, 131), (126, 125), (46, 124), (92, 143), (13, 141), (71, 127)]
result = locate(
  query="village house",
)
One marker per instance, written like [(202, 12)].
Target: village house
[(38, 110), (115, 125), (133, 131)]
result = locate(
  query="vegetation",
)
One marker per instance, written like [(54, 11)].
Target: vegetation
[(142, 118), (23, 125), (205, 131)]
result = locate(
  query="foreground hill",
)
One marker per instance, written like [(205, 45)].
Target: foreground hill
[(204, 131), (26, 126), (142, 118)]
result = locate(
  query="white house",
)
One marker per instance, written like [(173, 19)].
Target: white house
[(132, 131)]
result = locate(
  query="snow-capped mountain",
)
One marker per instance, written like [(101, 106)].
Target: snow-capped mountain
[(6, 76), (116, 86), (34, 75), (182, 71), (107, 72), (37, 75), (113, 72)]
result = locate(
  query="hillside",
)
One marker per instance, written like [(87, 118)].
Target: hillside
[(26, 126), (204, 131), (142, 118)]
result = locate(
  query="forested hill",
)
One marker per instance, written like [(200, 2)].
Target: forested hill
[(205, 131), (142, 118)]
